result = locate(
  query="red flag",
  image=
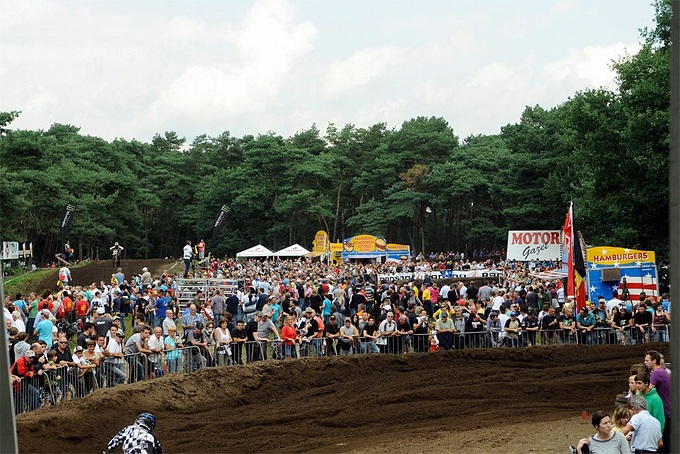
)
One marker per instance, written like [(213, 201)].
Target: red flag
[(569, 256), (576, 271)]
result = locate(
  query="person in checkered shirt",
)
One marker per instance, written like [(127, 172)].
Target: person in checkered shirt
[(137, 438)]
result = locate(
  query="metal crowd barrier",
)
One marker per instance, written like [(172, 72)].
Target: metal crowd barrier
[(50, 387)]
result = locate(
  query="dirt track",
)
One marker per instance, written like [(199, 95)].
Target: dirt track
[(408, 403), (102, 270)]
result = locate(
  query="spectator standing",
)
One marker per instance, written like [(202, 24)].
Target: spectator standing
[(660, 379), (187, 255), (654, 402), (645, 428)]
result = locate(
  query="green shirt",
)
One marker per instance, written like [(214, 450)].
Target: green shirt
[(655, 406)]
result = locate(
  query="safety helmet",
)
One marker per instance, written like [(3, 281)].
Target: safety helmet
[(147, 420)]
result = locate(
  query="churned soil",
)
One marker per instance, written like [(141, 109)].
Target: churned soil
[(492, 400)]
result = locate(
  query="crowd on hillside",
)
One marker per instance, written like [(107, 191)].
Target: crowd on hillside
[(295, 308)]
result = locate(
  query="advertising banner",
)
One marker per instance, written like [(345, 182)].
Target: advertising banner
[(321, 243), (436, 275), (526, 245), (629, 272)]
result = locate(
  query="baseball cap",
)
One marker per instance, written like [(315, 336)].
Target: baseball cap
[(29, 354), (100, 310), (78, 349), (514, 314)]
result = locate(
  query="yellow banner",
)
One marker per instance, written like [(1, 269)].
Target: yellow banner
[(608, 255), (335, 247), (365, 243), (320, 242), (398, 247)]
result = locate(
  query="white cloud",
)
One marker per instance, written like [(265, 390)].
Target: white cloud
[(588, 67), (269, 42), (361, 68)]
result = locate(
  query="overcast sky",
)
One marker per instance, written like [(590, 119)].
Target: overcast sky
[(131, 69)]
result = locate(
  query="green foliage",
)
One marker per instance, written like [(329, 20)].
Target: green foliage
[(607, 151)]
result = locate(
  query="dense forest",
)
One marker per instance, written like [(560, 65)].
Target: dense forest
[(420, 184)]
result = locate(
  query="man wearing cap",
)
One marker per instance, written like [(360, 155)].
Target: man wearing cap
[(102, 323), (26, 393), (512, 330), (312, 332), (529, 326), (332, 333), (146, 279), (444, 329)]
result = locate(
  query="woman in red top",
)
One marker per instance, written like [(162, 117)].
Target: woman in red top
[(290, 337)]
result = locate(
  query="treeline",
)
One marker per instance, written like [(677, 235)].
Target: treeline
[(607, 151)]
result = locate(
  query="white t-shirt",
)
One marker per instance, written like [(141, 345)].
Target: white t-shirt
[(187, 252), (497, 303)]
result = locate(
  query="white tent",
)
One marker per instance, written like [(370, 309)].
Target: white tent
[(255, 251), (292, 251)]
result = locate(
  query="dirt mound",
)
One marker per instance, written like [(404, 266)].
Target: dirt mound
[(101, 270), (347, 404)]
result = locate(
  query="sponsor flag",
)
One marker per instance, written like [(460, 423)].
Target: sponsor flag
[(66, 222), (221, 216), (576, 267)]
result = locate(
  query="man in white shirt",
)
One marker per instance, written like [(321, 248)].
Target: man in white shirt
[(646, 428), (187, 254), (614, 302), (497, 301)]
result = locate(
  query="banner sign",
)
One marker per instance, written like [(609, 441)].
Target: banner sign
[(607, 255), (626, 271), (10, 250), (66, 222), (446, 274), (321, 243), (221, 216), (526, 245)]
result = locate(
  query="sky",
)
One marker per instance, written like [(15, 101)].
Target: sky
[(131, 69)]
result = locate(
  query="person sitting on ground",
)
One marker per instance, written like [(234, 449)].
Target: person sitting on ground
[(605, 441)]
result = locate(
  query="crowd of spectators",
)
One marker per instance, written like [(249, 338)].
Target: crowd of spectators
[(641, 421), (296, 308)]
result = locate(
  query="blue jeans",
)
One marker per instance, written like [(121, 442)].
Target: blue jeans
[(174, 364), (369, 347), (114, 373), (187, 267), (289, 351)]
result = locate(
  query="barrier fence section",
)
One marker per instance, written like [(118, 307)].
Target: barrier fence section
[(61, 383)]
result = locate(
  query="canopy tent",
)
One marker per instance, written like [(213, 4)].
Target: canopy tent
[(292, 251), (255, 251)]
